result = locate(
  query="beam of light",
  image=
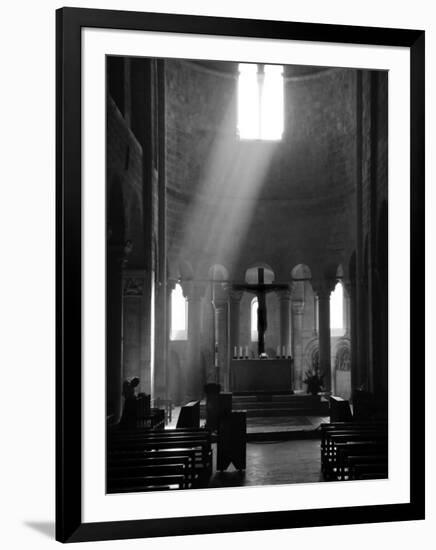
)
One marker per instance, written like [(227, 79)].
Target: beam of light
[(248, 101), (217, 220)]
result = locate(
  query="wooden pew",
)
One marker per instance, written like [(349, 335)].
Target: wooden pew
[(134, 454), (147, 483), (189, 416), (342, 440)]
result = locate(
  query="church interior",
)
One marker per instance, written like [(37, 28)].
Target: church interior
[(247, 274)]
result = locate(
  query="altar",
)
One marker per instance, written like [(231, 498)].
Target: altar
[(260, 375)]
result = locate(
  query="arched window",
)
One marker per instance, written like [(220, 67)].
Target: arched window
[(260, 101), (337, 311), (179, 315), (254, 308)]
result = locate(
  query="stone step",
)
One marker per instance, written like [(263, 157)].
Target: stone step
[(259, 405), (252, 413), (278, 399), (268, 405)]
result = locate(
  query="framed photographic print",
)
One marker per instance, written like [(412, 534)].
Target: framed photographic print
[(240, 231)]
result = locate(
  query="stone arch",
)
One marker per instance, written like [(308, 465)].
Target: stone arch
[(301, 272), (311, 355), (218, 272)]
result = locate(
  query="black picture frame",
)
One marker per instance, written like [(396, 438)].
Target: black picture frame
[(69, 525)]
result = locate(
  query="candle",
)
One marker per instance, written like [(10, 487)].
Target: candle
[(235, 351), (278, 351), (246, 352), (283, 351), (240, 352)]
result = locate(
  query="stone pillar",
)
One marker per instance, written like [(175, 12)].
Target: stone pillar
[(194, 293), (323, 291), (297, 342), (220, 303), (134, 329), (285, 299), (114, 316), (347, 308), (235, 302), (315, 315)]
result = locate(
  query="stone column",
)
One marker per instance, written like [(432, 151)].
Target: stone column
[(134, 329), (297, 342), (347, 308), (323, 291), (114, 319), (315, 315), (285, 299), (235, 302), (220, 303), (194, 293)]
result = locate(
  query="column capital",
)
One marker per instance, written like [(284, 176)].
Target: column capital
[(193, 291), (171, 284), (297, 307), (133, 282), (347, 286), (323, 288), (220, 295), (120, 252), (284, 293), (235, 295)]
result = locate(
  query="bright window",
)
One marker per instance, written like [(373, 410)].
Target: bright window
[(179, 315), (254, 308), (337, 311), (260, 101)]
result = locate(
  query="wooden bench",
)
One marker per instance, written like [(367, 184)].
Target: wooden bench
[(147, 483), (189, 416), (134, 454), (342, 440)]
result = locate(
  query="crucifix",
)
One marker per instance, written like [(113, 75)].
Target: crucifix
[(260, 290)]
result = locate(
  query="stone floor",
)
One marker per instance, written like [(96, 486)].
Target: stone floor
[(274, 463)]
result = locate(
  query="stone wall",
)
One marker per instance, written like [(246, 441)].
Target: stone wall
[(297, 193)]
